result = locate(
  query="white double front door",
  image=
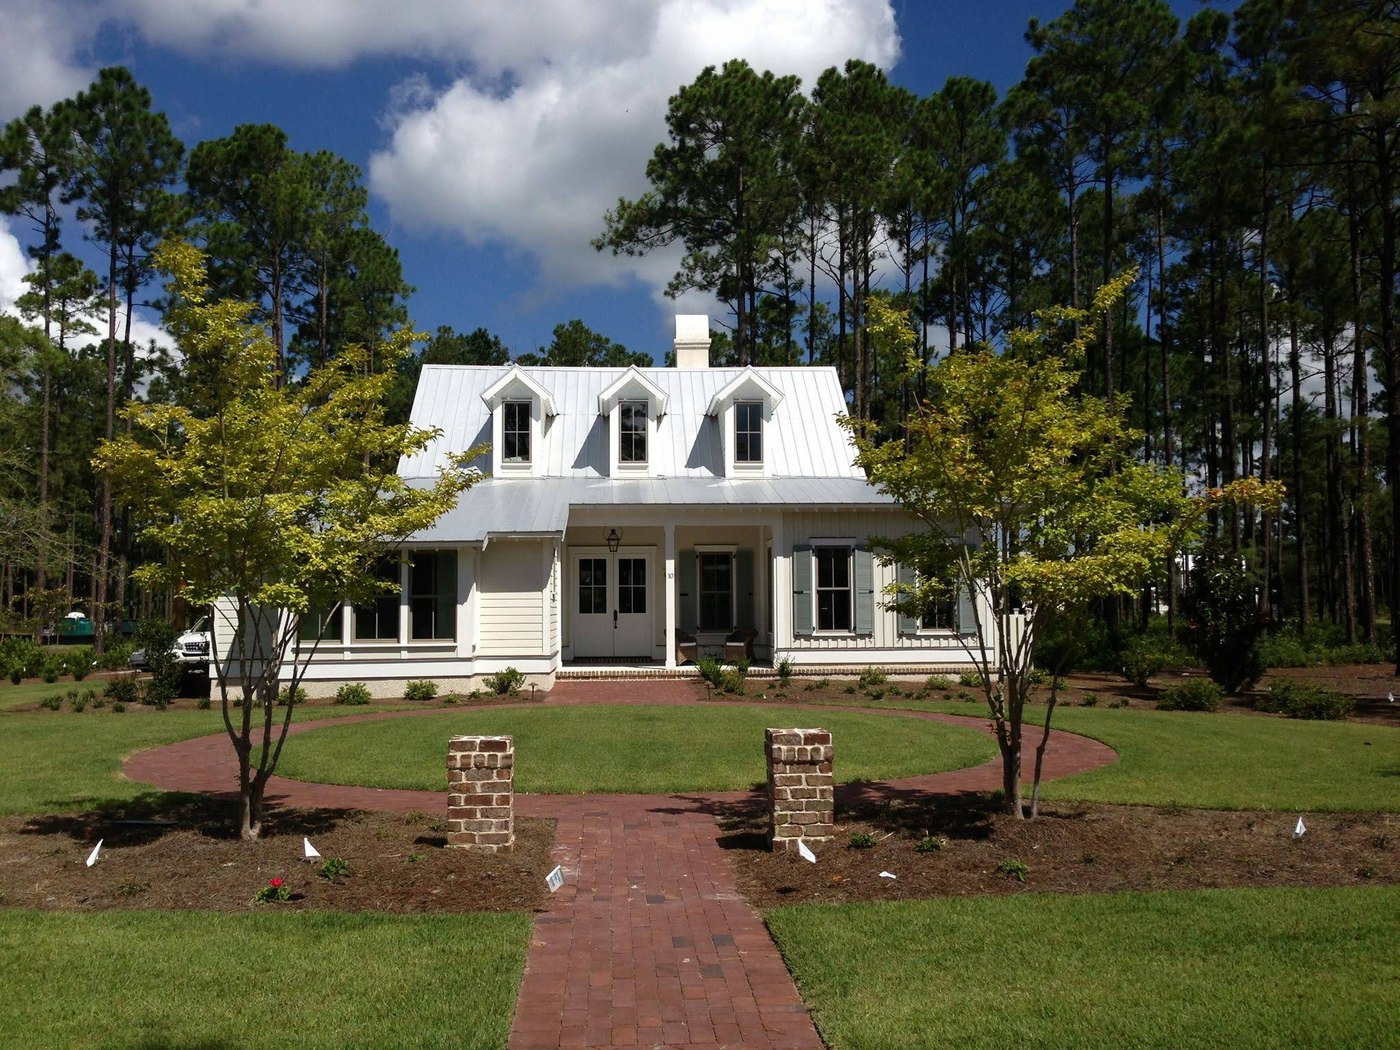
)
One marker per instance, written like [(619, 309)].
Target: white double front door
[(611, 601)]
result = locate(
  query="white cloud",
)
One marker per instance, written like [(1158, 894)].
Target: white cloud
[(495, 38), (535, 167), (13, 267), (40, 60)]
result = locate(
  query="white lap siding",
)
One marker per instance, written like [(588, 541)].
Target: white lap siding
[(514, 586), (808, 530)]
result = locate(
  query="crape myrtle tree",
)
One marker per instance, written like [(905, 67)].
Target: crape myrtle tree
[(270, 499), (1027, 494)]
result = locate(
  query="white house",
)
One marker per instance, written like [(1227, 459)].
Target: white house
[(627, 510)]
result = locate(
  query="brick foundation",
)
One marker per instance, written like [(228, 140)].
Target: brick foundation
[(481, 793), (800, 802)]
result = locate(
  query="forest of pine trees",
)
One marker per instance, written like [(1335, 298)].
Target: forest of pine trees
[(1244, 165)]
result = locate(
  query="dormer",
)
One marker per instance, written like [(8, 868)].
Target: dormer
[(520, 408), (743, 411), (633, 406)]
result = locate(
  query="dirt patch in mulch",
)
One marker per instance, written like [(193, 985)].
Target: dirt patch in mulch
[(1068, 849), (168, 854)]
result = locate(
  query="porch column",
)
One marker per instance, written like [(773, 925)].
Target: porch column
[(670, 581), (781, 590)]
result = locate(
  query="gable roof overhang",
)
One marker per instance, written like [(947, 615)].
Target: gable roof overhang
[(516, 379), (748, 384), (633, 380)]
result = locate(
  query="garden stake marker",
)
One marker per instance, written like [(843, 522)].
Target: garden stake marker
[(309, 851), (92, 857), (1300, 829), (805, 853)]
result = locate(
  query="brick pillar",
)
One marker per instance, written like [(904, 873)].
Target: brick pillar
[(800, 804), (481, 793)]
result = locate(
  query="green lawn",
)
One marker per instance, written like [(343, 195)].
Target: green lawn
[(566, 750), (263, 980), (62, 760), (1241, 969), (1215, 761), (31, 693)]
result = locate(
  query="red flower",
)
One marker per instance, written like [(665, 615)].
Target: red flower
[(276, 884)]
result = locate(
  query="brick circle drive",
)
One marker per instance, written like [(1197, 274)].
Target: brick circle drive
[(649, 942)]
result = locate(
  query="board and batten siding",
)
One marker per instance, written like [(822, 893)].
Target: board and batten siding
[(513, 591), (805, 530)]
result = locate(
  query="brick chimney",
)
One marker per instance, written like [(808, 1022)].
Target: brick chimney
[(692, 341)]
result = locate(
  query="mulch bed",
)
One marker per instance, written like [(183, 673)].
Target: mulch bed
[(1068, 849), (186, 854)]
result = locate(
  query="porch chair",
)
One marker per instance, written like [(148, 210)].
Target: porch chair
[(687, 648), (739, 645)]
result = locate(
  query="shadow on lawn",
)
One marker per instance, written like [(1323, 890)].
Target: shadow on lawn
[(150, 816)]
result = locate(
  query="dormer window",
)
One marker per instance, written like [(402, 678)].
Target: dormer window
[(632, 405), (748, 432), (520, 410), (741, 410), (632, 432), (515, 432)]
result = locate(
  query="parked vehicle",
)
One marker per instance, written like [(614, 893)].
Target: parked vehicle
[(191, 649)]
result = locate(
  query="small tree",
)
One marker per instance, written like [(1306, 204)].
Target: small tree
[(269, 499), (1029, 498)]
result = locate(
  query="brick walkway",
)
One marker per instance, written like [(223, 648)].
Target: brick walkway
[(649, 943)]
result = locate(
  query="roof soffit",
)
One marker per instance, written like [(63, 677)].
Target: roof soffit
[(633, 380), (747, 384), (514, 380)]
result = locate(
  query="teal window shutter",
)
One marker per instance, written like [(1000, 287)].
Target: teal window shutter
[(743, 589), (967, 623), (865, 590), (802, 589), (686, 602), (907, 624)]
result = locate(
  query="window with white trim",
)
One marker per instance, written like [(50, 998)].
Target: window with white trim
[(515, 431), (834, 589), (748, 432), (715, 590), (432, 595), (378, 619), (942, 615), (632, 432)]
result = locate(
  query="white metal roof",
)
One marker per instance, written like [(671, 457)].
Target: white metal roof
[(801, 441), (540, 506)]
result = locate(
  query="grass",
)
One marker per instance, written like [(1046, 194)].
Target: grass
[(625, 749), (30, 693), (65, 761), (263, 980), (1202, 969), (1214, 761)]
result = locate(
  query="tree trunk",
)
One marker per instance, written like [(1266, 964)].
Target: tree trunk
[(1299, 495), (104, 545)]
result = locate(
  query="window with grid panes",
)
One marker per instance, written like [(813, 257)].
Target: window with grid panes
[(748, 432), (833, 589), (716, 591), (432, 595), (632, 432), (515, 432)]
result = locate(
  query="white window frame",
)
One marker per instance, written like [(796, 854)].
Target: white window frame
[(644, 407), (731, 551), (526, 463), (849, 546), (750, 464)]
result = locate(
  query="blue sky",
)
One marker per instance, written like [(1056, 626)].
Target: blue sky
[(493, 135)]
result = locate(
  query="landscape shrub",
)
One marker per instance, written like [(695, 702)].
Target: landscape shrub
[(121, 690), (116, 656), (971, 679), (1198, 694), (289, 698), (50, 671), (872, 676), (784, 671), (20, 658), (503, 682), (52, 703), (79, 662), (1221, 621), (732, 678), (711, 671), (352, 693), (420, 690), (1302, 700), (939, 683), (158, 692), (157, 637)]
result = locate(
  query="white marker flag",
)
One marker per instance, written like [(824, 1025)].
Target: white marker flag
[(554, 879), (308, 851), (92, 857), (1300, 829), (887, 875), (805, 853), (1390, 697)]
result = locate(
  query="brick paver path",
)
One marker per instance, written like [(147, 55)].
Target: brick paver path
[(649, 943)]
